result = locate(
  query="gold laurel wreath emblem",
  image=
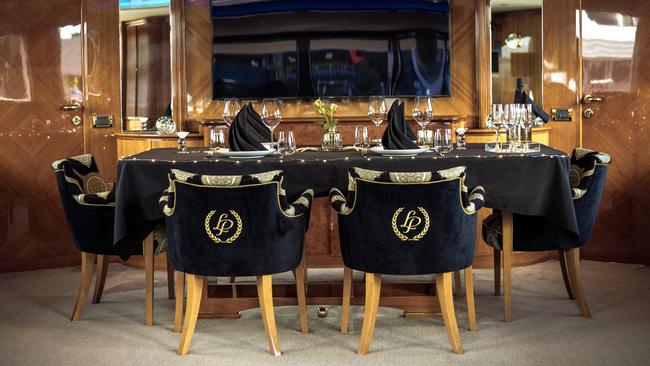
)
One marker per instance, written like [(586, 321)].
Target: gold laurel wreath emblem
[(402, 236), (230, 239)]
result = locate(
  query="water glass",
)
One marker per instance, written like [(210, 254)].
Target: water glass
[(422, 111), (290, 144), (377, 113), (182, 147), (217, 138), (231, 107), (442, 141), (361, 137), (271, 116), (460, 138)]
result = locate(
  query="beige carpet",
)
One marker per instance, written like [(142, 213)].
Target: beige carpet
[(546, 329)]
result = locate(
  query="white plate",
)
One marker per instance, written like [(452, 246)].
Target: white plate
[(246, 154), (405, 152)]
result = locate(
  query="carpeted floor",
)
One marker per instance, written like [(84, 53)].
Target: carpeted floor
[(546, 330)]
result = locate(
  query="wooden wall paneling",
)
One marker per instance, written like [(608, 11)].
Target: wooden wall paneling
[(101, 73), (200, 106), (177, 22), (483, 60), (562, 69), (41, 71)]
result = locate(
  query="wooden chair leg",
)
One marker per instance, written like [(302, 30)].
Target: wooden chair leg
[(347, 294), (302, 300), (565, 273), (233, 280), (507, 228), (194, 293), (170, 278), (265, 294), (469, 294), (497, 272), (458, 284), (148, 278), (87, 265), (446, 299), (100, 278), (373, 290), (179, 285), (573, 267)]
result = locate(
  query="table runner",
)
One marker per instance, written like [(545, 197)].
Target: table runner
[(530, 184)]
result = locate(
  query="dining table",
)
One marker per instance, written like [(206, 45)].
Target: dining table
[(533, 183)]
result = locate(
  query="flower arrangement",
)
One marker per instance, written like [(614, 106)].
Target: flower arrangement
[(327, 111)]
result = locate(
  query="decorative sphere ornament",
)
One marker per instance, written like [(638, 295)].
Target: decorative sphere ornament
[(165, 125)]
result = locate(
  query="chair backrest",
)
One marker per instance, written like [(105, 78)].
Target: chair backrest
[(588, 176), (408, 228), (231, 230), (91, 225)]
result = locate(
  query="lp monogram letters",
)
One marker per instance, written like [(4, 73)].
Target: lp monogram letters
[(413, 221), (223, 225)]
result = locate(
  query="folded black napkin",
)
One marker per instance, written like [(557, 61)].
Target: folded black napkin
[(398, 134), (248, 132)]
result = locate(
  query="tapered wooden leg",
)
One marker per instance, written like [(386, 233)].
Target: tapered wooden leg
[(565, 273), (170, 278), (194, 293), (265, 294), (573, 267), (302, 300), (458, 284), (497, 272), (507, 228), (100, 278), (373, 290), (233, 280), (469, 293), (446, 299), (347, 294), (87, 265), (148, 278), (180, 297)]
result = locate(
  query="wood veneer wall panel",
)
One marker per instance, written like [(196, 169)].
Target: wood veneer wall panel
[(101, 73), (562, 69), (200, 105)]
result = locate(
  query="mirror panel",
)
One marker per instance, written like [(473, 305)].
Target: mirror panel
[(146, 69), (516, 48)]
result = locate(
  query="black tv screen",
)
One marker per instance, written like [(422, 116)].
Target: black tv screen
[(330, 48)]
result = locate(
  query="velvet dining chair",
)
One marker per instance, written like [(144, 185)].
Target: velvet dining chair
[(535, 233), (412, 223), (89, 207), (232, 226)]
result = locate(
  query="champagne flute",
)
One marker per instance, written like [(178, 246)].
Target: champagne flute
[(422, 111), (271, 116), (377, 113), (231, 107), (497, 119)]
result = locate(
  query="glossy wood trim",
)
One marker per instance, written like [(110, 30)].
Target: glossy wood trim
[(483, 41), (178, 59)]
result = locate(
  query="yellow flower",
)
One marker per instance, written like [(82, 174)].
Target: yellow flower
[(318, 103), (333, 107)]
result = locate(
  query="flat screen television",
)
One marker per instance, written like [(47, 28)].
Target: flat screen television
[(330, 48)]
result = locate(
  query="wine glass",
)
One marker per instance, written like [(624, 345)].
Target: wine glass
[(231, 107), (377, 113), (271, 116), (527, 123), (422, 111), (496, 120)]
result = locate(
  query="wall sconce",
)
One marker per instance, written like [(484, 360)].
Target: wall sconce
[(513, 40)]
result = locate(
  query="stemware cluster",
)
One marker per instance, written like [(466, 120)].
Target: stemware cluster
[(517, 120)]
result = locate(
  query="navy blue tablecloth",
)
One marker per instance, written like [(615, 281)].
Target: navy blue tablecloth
[(534, 184)]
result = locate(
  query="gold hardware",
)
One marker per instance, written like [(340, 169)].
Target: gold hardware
[(223, 226), (588, 113), (76, 106), (76, 120), (590, 99), (411, 222)]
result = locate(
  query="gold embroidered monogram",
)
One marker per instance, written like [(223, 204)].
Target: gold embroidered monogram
[(410, 223), (223, 225)]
